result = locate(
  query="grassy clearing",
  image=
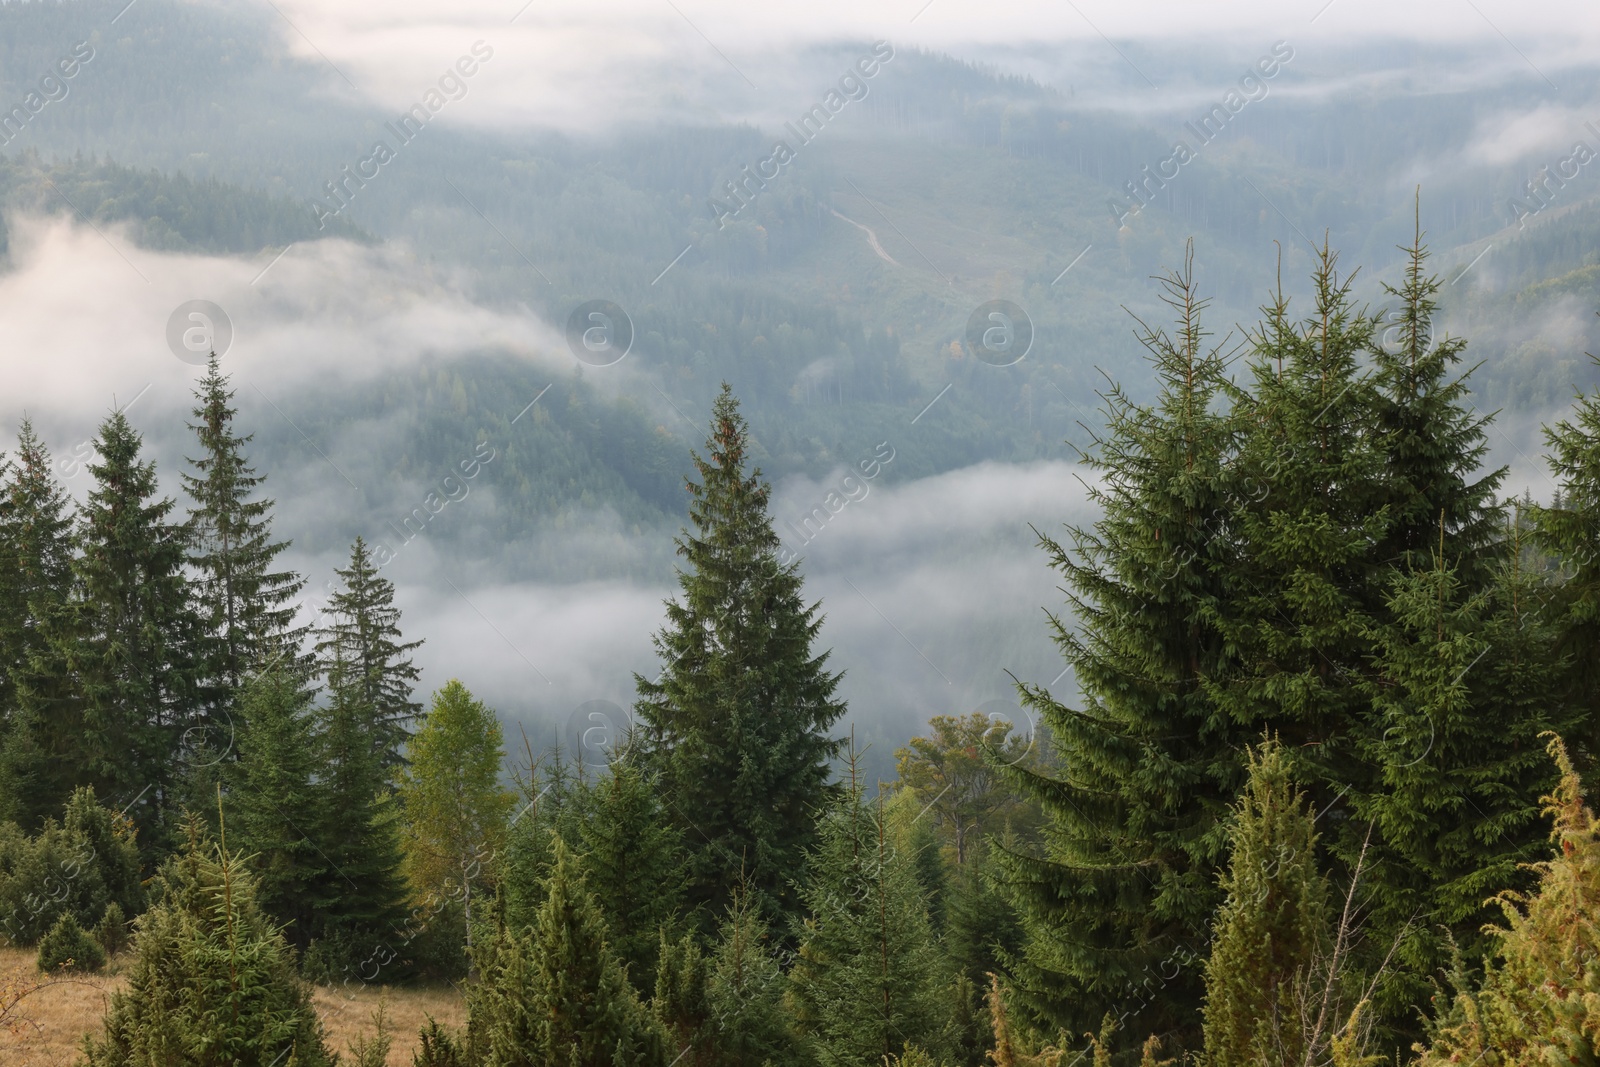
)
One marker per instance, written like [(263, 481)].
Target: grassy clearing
[(46, 1026)]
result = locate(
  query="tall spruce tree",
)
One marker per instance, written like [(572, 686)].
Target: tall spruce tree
[(280, 804), (1467, 684), (358, 824), (1569, 529), (364, 657), (35, 589), (1136, 831), (129, 641), (737, 723), (243, 603), (866, 983)]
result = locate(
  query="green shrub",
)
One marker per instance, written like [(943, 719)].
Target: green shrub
[(68, 948)]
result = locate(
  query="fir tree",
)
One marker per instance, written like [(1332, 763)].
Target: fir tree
[(633, 865), (737, 723), (559, 995), (212, 982), (35, 588), (866, 982), (128, 640), (243, 603), (1272, 926), (1127, 882), (364, 657)]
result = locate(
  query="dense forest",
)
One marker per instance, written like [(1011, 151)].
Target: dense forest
[(1338, 697)]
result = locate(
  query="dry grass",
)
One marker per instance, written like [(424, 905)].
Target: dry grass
[(51, 1022)]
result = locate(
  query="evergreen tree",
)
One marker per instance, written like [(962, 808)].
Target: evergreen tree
[(1272, 926), (726, 1009), (362, 653), (35, 588), (632, 861), (212, 982), (736, 725), (243, 603), (1569, 528), (1539, 1001), (559, 995), (128, 641), (358, 826), (1467, 684), (279, 803), (1433, 443), (1127, 884), (455, 809), (865, 985)]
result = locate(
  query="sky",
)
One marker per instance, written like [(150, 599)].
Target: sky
[(576, 64)]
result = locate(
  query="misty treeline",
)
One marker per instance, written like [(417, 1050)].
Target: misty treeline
[(1334, 692)]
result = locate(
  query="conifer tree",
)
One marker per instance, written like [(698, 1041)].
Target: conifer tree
[(559, 995), (129, 640), (1127, 882), (632, 861), (737, 724), (1539, 1001), (358, 826), (243, 603), (35, 588), (1433, 442), (280, 803), (726, 1009), (1272, 926), (1467, 684), (364, 657), (1569, 528), (212, 981), (455, 809), (865, 985)]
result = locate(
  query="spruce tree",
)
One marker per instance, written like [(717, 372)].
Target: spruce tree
[(1272, 927), (129, 639), (865, 985), (737, 724), (279, 802), (1467, 684), (212, 982), (1569, 529), (243, 603), (559, 995), (35, 589), (1127, 882), (364, 657), (726, 1009), (358, 826), (632, 862)]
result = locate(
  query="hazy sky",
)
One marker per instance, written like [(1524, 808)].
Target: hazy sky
[(573, 63)]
